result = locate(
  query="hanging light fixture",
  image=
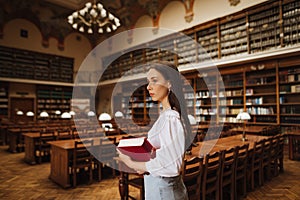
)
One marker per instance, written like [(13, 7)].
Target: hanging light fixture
[(93, 18)]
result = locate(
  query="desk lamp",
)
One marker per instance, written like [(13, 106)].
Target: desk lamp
[(244, 116)]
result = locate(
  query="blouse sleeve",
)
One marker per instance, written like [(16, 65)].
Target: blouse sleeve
[(168, 160)]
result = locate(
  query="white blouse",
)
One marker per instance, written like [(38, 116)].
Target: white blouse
[(167, 136)]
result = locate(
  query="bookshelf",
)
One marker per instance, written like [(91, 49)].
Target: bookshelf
[(166, 51), (261, 101), (267, 88), (53, 98), (233, 104), (233, 36), (206, 98), (289, 91), (209, 41), (291, 22), (264, 27), (3, 99), (186, 49), (24, 64), (261, 28)]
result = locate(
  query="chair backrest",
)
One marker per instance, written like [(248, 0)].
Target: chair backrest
[(267, 150), (81, 155), (229, 162), (257, 152), (212, 172), (64, 134), (242, 158), (107, 150), (46, 136), (192, 171)]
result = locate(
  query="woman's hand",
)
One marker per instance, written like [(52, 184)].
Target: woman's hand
[(124, 158), (139, 167)]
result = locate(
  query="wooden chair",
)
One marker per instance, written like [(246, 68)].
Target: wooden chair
[(137, 181), (255, 165), (274, 166), (64, 134), (266, 161), (43, 147), (82, 161), (211, 174), (280, 152), (227, 178), (192, 171), (107, 151), (241, 170)]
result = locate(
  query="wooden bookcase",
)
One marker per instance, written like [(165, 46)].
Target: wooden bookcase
[(289, 92), (268, 89), (24, 64), (264, 27), (52, 98), (233, 36), (291, 22), (261, 85), (3, 99), (234, 93)]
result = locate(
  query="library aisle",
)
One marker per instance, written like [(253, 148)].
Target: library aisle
[(21, 181)]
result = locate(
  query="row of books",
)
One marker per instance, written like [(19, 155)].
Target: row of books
[(255, 101), (290, 120), (260, 110)]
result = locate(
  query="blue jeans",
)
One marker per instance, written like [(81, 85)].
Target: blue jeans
[(164, 188)]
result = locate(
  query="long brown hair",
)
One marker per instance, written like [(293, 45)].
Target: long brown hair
[(176, 97)]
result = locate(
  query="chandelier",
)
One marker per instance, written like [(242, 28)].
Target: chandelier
[(93, 17)]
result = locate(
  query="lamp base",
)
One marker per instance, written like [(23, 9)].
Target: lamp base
[(244, 139)]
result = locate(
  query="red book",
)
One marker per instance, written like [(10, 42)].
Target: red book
[(139, 149)]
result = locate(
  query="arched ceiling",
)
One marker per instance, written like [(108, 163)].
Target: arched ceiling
[(50, 16)]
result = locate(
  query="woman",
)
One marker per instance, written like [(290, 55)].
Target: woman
[(168, 135)]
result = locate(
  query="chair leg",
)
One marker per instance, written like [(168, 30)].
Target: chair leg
[(74, 178), (91, 174)]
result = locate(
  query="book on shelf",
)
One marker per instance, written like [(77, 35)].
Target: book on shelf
[(295, 88), (139, 149)]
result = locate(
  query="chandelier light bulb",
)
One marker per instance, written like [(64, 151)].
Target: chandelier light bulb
[(100, 30), (103, 13), (93, 13), (88, 5), (90, 31), (110, 16), (114, 27), (117, 22), (108, 30), (100, 7), (75, 14), (81, 29), (75, 26), (82, 12)]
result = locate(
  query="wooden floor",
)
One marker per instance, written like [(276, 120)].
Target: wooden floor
[(20, 181)]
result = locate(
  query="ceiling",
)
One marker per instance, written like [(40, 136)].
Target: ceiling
[(50, 16)]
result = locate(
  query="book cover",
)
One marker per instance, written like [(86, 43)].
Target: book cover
[(139, 149)]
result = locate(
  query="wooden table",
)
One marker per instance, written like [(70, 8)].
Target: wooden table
[(61, 153), (15, 137), (224, 143), (201, 150), (249, 129), (294, 145)]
